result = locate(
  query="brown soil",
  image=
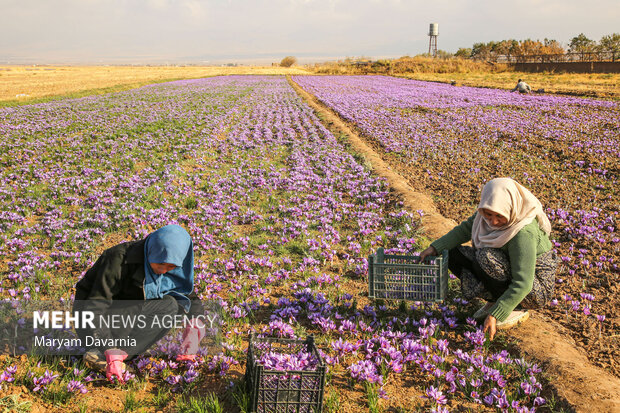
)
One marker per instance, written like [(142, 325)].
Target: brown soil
[(584, 386), (98, 399)]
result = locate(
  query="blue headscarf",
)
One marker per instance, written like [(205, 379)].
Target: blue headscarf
[(173, 245)]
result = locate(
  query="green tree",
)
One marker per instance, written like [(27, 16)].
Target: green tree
[(581, 44), (610, 44), (442, 54), (464, 52), (481, 51)]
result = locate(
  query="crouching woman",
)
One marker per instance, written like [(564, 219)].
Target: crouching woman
[(147, 281), (511, 262)]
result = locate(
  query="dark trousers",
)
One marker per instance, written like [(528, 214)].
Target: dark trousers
[(148, 311), (457, 261)]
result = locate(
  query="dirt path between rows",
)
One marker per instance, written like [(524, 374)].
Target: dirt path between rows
[(586, 387)]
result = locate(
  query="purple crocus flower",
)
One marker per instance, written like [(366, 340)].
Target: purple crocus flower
[(41, 383), (5, 376), (75, 386), (190, 375), (173, 379), (435, 395)]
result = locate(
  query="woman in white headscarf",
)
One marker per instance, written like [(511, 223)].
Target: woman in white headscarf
[(511, 262)]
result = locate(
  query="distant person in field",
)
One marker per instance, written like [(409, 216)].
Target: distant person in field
[(522, 87), (158, 273), (511, 262)]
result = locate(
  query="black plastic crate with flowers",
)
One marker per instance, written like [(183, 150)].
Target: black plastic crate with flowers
[(404, 277), (284, 375)]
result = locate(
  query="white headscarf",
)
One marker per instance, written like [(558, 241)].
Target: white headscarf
[(511, 200)]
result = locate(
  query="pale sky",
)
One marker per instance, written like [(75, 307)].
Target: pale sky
[(262, 31)]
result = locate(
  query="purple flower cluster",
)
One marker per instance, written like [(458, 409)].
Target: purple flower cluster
[(7, 375), (76, 386), (299, 361), (176, 374), (41, 382), (221, 363)]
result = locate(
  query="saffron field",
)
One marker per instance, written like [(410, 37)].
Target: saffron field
[(448, 141), (282, 219)]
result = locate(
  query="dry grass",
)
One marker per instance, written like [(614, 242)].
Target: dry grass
[(407, 64), (24, 84)]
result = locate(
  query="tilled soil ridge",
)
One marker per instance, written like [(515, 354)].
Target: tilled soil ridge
[(586, 387)]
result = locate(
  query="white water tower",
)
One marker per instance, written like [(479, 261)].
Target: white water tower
[(433, 32)]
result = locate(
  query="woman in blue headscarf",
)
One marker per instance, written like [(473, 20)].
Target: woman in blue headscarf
[(157, 275), (169, 265)]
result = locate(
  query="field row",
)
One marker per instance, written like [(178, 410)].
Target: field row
[(448, 141)]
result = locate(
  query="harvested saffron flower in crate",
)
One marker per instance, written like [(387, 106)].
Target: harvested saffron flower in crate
[(284, 375), (404, 277)]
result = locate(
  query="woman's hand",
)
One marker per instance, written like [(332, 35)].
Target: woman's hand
[(430, 251), (115, 367), (490, 325), (194, 332)]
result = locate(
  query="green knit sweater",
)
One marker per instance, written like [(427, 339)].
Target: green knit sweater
[(522, 251)]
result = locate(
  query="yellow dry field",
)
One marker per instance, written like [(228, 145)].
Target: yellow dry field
[(22, 84), (604, 85)]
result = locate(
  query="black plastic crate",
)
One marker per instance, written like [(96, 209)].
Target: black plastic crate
[(403, 277), (291, 391)]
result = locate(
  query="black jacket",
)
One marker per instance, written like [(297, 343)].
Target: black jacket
[(118, 274)]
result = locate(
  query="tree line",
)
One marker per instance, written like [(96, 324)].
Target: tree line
[(507, 49)]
